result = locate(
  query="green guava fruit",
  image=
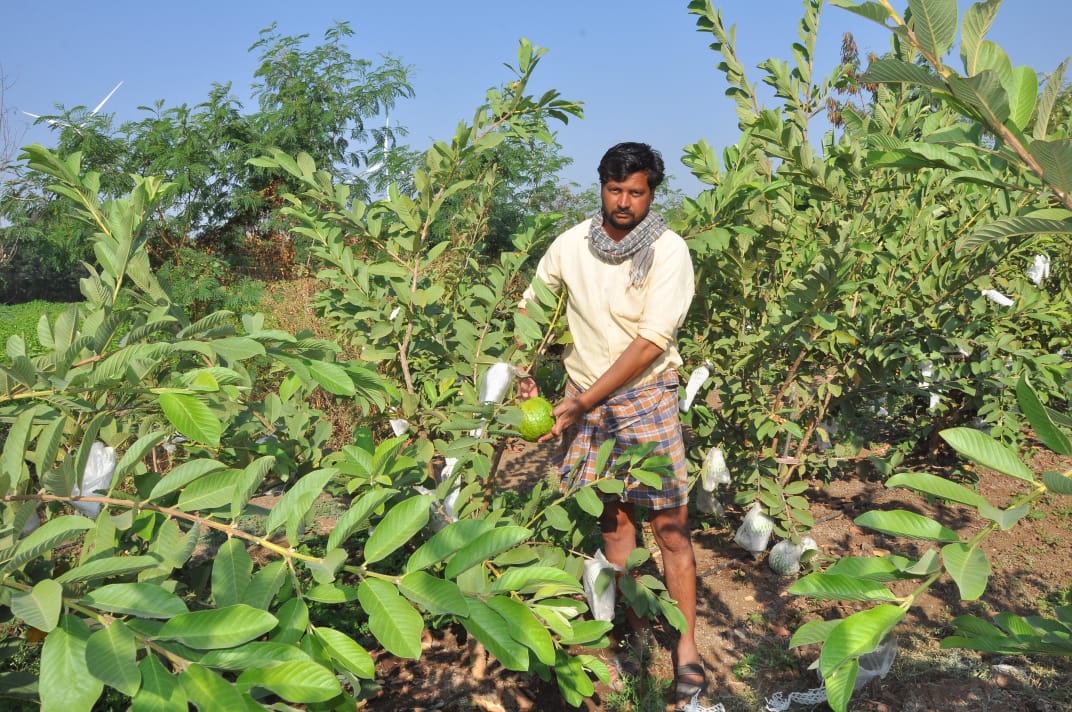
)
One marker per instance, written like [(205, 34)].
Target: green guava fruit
[(536, 419)]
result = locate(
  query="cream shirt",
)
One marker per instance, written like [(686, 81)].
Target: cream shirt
[(605, 314)]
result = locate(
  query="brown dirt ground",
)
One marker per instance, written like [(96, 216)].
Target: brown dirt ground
[(746, 616)]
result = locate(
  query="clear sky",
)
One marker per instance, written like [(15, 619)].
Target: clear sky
[(640, 66)]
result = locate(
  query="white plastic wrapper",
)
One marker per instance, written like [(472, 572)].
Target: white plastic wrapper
[(754, 532), (399, 426), (784, 557), (96, 479), (496, 382), (1039, 271), (715, 472), (599, 586), (696, 380), (997, 297), (32, 523), (706, 503)]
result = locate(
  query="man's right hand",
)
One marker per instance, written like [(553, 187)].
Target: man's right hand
[(527, 388)]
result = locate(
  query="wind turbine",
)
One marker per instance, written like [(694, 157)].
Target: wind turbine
[(378, 166), (82, 125)]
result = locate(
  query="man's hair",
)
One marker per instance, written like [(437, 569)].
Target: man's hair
[(625, 159)]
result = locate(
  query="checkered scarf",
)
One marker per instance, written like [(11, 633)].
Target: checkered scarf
[(637, 244)]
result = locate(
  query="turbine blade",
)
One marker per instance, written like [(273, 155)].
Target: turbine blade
[(105, 99)]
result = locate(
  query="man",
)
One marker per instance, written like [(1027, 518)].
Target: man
[(629, 282)]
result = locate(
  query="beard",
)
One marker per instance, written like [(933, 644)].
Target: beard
[(624, 220)]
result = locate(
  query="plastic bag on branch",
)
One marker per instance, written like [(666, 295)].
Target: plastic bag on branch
[(96, 478), (706, 503), (715, 472), (784, 557), (877, 663), (496, 382), (754, 532), (599, 586), (696, 380)]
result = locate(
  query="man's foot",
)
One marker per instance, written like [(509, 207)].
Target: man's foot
[(690, 689)]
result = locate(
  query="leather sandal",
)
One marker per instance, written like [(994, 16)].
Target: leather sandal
[(686, 691)]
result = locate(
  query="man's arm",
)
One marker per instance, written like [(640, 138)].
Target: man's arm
[(636, 358)]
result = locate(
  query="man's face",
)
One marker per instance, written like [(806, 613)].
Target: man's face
[(625, 204)]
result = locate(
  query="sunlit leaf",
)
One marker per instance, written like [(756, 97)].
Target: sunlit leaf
[(969, 567), (987, 451), (900, 522)]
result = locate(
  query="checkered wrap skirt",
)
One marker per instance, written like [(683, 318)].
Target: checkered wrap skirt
[(645, 414)]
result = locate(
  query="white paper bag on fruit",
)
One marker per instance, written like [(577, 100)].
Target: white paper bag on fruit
[(755, 530), (599, 586)]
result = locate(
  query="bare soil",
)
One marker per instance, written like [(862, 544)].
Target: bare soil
[(746, 616)]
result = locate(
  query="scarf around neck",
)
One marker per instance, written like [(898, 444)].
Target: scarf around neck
[(638, 244)]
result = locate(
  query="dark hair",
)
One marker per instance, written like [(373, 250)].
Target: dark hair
[(625, 159)]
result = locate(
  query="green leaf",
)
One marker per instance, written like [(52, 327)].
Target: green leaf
[(209, 691), (183, 475), (295, 681), (813, 632), (143, 600), (218, 628), (969, 567), (857, 635), (332, 377), (232, 570), (66, 683), (346, 652), (45, 538), (255, 654), (1045, 430), (984, 95), (248, 482), (903, 523), (295, 504), (894, 71), (603, 456), (1055, 157), (112, 657), (1005, 518), (1004, 228), (397, 527), (435, 595), (987, 452), (873, 568), (840, 684), (160, 690), (237, 348), (589, 501), (265, 584), (13, 458), (935, 25), (936, 486), (840, 588), (977, 21), (1057, 483), (213, 491), (1023, 94), (391, 618), (524, 627), (191, 417), (491, 629), (137, 452), (41, 606), (357, 516), (486, 546), (528, 579), (110, 566)]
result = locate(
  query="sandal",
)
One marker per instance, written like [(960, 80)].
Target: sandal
[(688, 694), (684, 690)]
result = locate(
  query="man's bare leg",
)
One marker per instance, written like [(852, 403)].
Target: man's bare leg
[(619, 527), (670, 527)]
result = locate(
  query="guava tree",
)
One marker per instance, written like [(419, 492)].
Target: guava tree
[(853, 286), (879, 273)]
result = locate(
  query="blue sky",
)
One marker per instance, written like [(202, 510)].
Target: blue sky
[(640, 66)]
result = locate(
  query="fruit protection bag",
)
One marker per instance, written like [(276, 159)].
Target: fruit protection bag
[(755, 530), (599, 586)]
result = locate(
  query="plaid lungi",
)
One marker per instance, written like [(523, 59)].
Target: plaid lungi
[(646, 414)]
